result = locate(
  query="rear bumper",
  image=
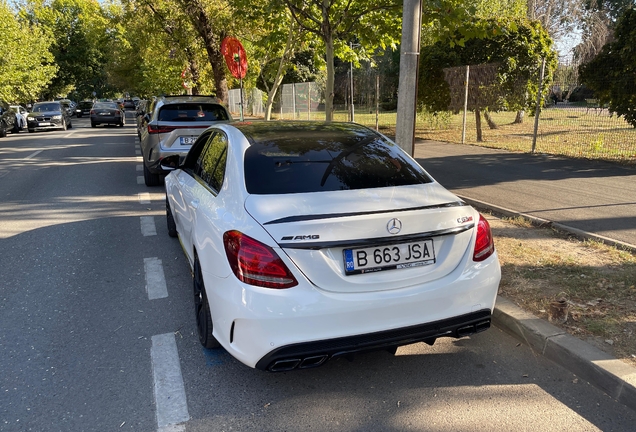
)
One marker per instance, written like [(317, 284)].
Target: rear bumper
[(313, 354)]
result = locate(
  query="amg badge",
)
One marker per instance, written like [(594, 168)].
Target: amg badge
[(301, 237)]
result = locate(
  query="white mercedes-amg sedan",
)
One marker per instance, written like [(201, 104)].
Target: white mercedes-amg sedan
[(309, 241)]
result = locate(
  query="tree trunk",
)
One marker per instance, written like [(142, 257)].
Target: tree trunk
[(520, 116), (489, 120), (205, 27), (478, 125), (329, 87)]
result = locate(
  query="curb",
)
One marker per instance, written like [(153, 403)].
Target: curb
[(612, 376), (537, 221)]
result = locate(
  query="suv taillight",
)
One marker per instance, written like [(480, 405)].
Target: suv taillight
[(484, 245), (152, 129), (256, 263)]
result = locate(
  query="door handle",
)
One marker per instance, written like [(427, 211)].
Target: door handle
[(194, 203)]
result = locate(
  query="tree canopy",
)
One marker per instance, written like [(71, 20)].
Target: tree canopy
[(611, 75)]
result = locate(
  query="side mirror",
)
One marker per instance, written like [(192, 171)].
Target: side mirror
[(169, 163)]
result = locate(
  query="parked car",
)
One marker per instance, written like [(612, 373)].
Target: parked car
[(107, 113), (21, 115), (309, 241), (8, 120), (140, 113), (68, 106), (129, 104), (83, 108), (172, 124), (48, 115)]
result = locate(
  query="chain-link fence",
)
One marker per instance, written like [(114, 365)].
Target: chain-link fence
[(571, 121), (253, 99)]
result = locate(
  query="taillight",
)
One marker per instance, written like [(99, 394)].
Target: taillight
[(152, 129), (484, 245), (256, 263), (117, 113), (92, 112)]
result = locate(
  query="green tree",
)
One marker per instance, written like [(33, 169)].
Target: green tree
[(81, 42), (515, 47), (26, 65), (373, 24), (611, 74)]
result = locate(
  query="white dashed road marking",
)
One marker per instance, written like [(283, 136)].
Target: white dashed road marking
[(140, 167), (32, 155), (155, 279), (148, 227), (170, 398), (140, 180), (144, 198)]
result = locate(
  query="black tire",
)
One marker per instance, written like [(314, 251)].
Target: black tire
[(202, 309), (63, 124), (152, 179), (70, 125), (121, 124), (16, 127), (31, 130), (3, 129), (93, 124), (172, 226)]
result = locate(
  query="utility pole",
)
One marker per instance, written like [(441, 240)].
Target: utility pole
[(409, 67)]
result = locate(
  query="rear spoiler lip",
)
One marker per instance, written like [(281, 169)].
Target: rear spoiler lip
[(378, 241), (304, 218)]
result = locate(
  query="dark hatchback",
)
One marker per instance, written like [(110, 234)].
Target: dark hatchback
[(7, 120), (83, 108), (48, 115)]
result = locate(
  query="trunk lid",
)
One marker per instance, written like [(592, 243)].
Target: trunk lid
[(315, 230)]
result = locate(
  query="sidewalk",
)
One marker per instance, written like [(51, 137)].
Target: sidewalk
[(540, 185)]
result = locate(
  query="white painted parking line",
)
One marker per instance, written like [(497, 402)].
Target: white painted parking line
[(155, 279), (140, 180), (148, 227), (170, 397), (138, 152), (144, 198), (32, 155), (172, 428), (140, 167)]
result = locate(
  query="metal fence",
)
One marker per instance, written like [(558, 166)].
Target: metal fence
[(570, 123), (253, 99)]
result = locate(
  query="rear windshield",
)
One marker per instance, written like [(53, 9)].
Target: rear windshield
[(105, 105), (192, 112), (85, 104), (325, 158)]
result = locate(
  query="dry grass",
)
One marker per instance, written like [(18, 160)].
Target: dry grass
[(541, 265), (565, 130)]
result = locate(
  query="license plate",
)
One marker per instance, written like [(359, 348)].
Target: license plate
[(389, 257), (44, 124), (187, 140), (104, 113)]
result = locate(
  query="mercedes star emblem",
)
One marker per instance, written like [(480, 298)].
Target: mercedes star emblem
[(394, 226)]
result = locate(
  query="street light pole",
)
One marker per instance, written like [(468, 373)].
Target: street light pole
[(353, 113)]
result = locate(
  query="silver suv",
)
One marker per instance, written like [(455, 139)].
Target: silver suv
[(171, 125)]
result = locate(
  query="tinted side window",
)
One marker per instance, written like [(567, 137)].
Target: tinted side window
[(213, 161)]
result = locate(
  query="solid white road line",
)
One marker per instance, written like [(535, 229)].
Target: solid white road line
[(170, 397), (148, 227), (172, 428), (155, 279)]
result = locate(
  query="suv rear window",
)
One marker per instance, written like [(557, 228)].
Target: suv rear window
[(325, 158), (85, 105), (192, 112)]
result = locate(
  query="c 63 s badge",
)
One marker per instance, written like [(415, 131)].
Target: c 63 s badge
[(464, 219), (301, 237)]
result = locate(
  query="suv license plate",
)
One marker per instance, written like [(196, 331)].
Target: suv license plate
[(187, 140), (389, 257)]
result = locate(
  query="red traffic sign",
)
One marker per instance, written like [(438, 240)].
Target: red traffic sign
[(235, 56)]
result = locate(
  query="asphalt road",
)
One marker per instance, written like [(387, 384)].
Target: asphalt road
[(83, 347), (593, 196)]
